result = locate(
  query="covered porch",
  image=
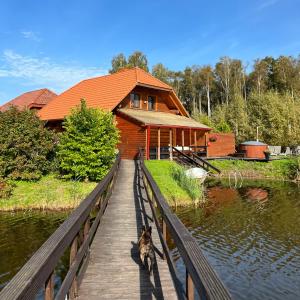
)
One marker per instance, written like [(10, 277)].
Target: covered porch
[(161, 141), (166, 132)]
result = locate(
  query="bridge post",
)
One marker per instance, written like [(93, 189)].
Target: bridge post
[(189, 285), (49, 287), (164, 232), (74, 288)]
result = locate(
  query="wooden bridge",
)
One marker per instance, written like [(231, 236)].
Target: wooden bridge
[(101, 236)]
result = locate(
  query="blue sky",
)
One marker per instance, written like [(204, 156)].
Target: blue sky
[(57, 43)]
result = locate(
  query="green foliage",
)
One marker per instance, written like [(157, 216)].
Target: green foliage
[(49, 192), (161, 170), (26, 147), (283, 169), (87, 147), (6, 188), (136, 59), (190, 185)]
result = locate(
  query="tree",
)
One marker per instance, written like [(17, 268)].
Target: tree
[(161, 72), (138, 59), (118, 62), (87, 148), (222, 73), (187, 89), (206, 78), (26, 146)]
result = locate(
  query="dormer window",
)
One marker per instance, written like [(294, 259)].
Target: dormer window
[(151, 103), (135, 100)]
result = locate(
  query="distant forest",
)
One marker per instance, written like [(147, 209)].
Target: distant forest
[(228, 98)]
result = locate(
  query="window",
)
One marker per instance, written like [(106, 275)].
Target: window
[(135, 100), (151, 103)]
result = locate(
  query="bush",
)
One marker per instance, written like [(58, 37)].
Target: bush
[(6, 188), (87, 148), (27, 148), (190, 185)]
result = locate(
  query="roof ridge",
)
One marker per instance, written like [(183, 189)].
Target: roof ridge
[(148, 73)]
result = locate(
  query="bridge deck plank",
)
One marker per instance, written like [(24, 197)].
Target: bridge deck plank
[(114, 270)]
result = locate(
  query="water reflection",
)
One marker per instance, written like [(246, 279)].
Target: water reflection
[(251, 236), (22, 233)]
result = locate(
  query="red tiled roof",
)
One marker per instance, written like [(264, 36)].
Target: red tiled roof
[(37, 98), (104, 92)]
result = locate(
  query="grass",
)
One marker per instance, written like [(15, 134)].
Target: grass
[(172, 183), (48, 193), (283, 169)]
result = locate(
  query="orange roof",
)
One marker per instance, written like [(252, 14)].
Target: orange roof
[(33, 99), (104, 92)]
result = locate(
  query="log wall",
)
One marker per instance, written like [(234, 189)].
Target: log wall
[(223, 146), (132, 137)]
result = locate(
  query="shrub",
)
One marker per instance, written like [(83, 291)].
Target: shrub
[(87, 147), (190, 185), (6, 188), (27, 148)]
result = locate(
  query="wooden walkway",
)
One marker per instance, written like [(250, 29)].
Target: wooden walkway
[(114, 270)]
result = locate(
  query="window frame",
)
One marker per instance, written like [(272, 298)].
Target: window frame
[(154, 104), (132, 101)]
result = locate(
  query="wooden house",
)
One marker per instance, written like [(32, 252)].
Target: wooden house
[(30, 100), (149, 115)]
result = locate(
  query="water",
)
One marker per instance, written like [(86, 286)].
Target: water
[(22, 233), (251, 237)]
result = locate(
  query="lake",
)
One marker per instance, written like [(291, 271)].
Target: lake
[(22, 233), (249, 233), (251, 236)]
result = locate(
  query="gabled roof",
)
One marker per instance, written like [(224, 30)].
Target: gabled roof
[(104, 92), (33, 99), (162, 119)]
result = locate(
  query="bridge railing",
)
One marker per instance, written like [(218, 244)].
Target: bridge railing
[(74, 235), (199, 273)]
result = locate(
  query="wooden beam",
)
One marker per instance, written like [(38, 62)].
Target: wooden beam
[(148, 143), (171, 144), (158, 144), (195, 138), (182, 139), (190, 136)]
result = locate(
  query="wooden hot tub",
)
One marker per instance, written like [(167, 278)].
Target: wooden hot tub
[(253, 149)]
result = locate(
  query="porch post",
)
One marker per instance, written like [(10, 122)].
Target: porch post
[(190, 131), (158, 143), (182, 139), (171, 144), (148, 143)]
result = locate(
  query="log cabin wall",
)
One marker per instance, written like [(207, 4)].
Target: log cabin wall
[(132, 137), (223, 146), (163, 101)]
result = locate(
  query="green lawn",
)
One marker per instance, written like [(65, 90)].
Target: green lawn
[(161, 172), (48, 193), (283, 169)]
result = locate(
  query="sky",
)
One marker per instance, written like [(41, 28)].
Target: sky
[(55, 43)]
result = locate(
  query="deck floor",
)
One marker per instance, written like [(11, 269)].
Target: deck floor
[(114, 270)]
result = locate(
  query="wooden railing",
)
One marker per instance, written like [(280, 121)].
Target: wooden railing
[(199, 274), (74, 235), (193, 160)]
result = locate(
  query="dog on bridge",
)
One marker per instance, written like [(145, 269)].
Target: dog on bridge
[(146, 248)]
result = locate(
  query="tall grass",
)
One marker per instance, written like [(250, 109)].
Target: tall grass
[(190, 185)]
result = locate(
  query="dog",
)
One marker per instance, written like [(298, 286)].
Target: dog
[(146, 248)]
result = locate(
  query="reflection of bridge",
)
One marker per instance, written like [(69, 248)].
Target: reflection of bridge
[(100, 238)]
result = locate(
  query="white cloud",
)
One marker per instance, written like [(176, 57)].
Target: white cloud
[(266, 4), (30, 35), (43, 72)]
